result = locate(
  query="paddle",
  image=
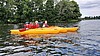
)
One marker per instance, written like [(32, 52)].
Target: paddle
[(22, 29)]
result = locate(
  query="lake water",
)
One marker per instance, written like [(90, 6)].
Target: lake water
[(84, 42)]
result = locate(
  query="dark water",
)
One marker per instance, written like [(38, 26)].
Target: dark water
[(85, 42)]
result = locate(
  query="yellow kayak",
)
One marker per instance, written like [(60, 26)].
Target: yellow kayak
[(72, 29), (35, 31), (51, 30), (64, 30), (60, 29)]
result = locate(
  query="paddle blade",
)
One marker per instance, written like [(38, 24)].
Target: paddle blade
[(23, 29)]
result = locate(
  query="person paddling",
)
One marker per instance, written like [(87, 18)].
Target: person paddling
[(26, 25), (36, 25), (31, 25), (45, 24)]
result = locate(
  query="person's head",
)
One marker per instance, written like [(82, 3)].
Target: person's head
[(36, 21), (31, 23), (26, 22), (45, 21)]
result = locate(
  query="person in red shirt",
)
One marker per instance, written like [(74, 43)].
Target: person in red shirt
[(36, 25), (26, 26), (31, 25), (45, 24)]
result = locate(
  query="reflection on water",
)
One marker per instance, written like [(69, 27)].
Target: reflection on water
[(90, 29), (85, 42)]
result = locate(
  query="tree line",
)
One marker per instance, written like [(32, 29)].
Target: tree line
[(92, 17), (20, 11)]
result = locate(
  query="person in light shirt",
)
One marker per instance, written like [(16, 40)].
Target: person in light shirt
[(45, 24)]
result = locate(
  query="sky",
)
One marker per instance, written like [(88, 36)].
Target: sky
[(89, 7)]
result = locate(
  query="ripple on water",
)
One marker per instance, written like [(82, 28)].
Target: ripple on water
[(87, 38), (21, 54)]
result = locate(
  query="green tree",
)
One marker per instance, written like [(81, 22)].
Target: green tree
[(75, 10), (67, 10), (19, 11), (49, 10), (7, 10)]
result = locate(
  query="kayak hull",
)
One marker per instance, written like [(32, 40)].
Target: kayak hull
[(51, 30), (72, 29), (35, 31), (60, 29)]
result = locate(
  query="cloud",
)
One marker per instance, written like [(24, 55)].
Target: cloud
[(89, 7), (88, 3)]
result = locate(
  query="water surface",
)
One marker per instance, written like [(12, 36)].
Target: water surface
[(84, 42)]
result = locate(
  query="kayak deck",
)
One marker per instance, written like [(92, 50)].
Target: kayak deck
[(51, 30)]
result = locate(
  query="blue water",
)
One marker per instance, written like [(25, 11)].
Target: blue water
[(90, 36), (84, 42)]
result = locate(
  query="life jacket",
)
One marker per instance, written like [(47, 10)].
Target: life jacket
[(36, 25), (26, 26), (31, 26)]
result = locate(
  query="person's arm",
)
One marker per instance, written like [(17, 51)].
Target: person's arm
[(38, 25), (43, 25), (24, 25)]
